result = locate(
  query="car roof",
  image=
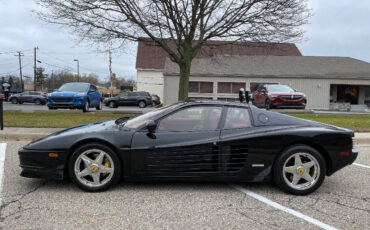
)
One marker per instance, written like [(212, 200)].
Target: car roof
[(215, 103)]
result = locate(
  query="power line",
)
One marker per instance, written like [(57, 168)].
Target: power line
[(11, 52), (16, 69)]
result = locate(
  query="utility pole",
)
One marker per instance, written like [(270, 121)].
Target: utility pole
[(34, 68), (78, 69), (20, 54), (110, 73)]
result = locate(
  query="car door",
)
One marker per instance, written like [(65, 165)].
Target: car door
[(123, 98), (132, 98), (234, 139), (91, 94), (185, 144), (24, 96)]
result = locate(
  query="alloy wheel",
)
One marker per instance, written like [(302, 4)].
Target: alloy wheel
[(142, 104), (94, 168), (301, 171), (111, 104)]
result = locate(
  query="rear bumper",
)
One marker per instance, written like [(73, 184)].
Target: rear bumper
[(38, 164)]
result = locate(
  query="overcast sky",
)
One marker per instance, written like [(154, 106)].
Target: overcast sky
[(338, 28)]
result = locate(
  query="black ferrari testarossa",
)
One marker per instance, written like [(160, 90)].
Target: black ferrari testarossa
[(194, 141)]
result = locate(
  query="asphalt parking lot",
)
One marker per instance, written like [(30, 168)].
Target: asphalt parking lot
[(29, 107), (342, 202)]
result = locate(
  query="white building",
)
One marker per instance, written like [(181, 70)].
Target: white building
[(326, 81), (150, 60)]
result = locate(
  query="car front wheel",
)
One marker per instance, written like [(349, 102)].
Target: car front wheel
[(14, 100), (37, 102), (299, 170), (112, 104), (94, 167)]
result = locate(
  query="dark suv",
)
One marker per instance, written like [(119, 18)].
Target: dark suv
[(39, 98), (142, 99), (278, 96)]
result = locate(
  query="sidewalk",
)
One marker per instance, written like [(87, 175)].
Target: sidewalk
[(36, 133), (30, 134)]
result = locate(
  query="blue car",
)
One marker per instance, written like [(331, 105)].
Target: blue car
[(75, 95)]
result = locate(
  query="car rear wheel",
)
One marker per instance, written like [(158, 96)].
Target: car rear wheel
[(86, 107), (142, 104), (112, 104), (37, 102), (94, 167), (100, 106), (14, 100), (299, 170)]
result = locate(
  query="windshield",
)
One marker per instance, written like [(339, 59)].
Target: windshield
[(142, 119), (74, 87), (280, 89)]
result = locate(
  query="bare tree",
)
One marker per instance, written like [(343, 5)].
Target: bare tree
[(188, 23)]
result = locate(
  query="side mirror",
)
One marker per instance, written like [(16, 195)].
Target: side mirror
[(151, 126)]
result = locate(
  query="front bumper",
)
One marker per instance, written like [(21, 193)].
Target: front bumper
[(38, 164), (282, 103), (76, 103), (354, 154)]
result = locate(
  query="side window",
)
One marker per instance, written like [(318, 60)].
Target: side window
[(123, 94), (195, 118), (132, 94), (237, 118)]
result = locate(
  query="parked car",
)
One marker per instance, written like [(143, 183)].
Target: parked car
[(194, 141), (75, 95), (141, 99), (278, 96), (156, 99), (37, 97)]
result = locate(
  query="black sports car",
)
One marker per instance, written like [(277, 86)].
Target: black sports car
[(194, 141)]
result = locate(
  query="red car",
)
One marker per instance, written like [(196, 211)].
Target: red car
[(278, 96)]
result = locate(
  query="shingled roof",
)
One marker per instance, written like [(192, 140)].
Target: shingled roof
[(152, 56), (279, 67)]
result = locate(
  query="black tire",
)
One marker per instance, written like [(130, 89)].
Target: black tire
[(112, 104), (37, 102), (14, 101), (100, 106), (278, 169), (267, 104), (116, 161), (86, 107), (142, 104)]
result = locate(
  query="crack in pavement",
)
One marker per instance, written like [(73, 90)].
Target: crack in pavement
[(18, 200)]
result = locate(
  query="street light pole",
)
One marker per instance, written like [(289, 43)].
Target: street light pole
[(78, 69)]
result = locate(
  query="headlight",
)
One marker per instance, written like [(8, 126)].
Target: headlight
[(79, 94), (49, 94), (274, 95)]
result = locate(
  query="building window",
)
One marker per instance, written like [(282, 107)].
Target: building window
[(200, 87), (230, 87), (228, 99), (200, 98)]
